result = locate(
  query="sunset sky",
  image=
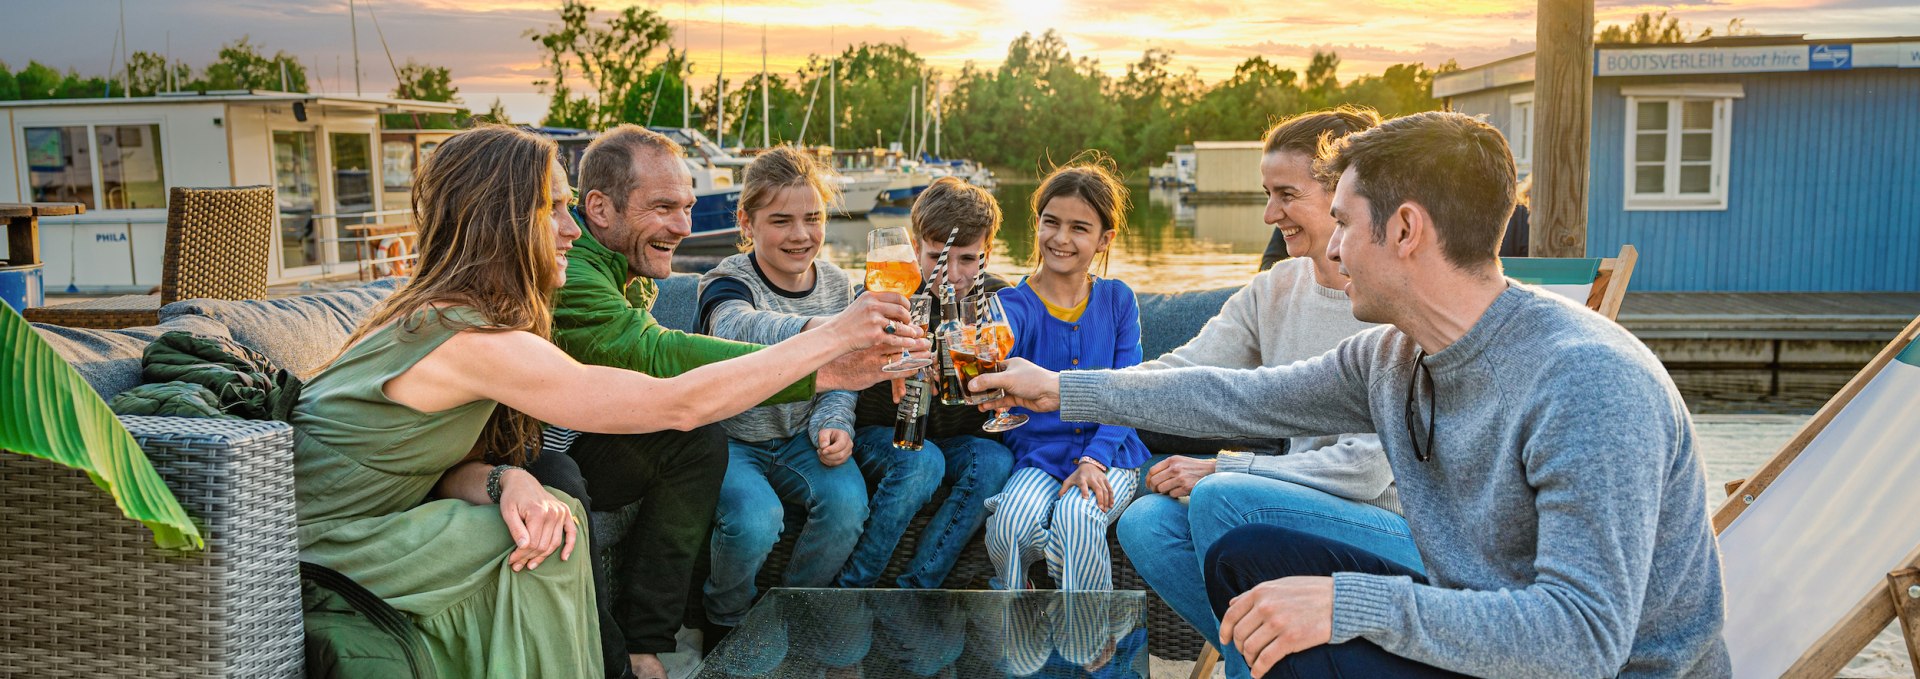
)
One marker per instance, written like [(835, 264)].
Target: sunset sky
[(481, 40)]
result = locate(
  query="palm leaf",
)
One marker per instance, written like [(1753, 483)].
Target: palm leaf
[(48, 411)]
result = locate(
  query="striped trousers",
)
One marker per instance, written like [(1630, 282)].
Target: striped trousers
[(1031, 520)]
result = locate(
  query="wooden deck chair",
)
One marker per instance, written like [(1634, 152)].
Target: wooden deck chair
[(1819, 547), (1599, 282)]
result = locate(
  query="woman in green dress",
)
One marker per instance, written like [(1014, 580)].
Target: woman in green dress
[(408, 445)]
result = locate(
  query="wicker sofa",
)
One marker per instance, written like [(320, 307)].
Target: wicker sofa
[(90, 595)]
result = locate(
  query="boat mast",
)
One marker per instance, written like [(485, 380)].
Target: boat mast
[(766, 123), (125, 64), (720, 79), (926, 119), (686, 92), (355, 22), (833, 81)]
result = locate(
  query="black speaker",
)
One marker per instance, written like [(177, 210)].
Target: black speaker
[(300, 111)]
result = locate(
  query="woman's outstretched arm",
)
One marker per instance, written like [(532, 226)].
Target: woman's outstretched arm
[(531, 375)]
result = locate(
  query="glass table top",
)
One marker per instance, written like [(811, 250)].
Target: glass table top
[(882, 633)]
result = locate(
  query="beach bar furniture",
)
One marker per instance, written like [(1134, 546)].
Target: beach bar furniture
[(22, 273), (218, 244), (1819, 547)]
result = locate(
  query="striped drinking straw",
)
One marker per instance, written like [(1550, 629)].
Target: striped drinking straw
[(940, 265)]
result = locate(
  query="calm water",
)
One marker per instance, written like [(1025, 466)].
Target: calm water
[(1170, 245)]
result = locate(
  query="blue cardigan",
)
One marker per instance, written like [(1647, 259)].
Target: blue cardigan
[(1106, 336)]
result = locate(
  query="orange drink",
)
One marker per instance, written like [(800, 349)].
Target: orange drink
[(893, 276)]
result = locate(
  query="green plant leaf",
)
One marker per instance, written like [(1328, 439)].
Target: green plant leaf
[(47, 411)]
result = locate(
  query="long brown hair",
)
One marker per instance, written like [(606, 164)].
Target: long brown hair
[(1092, 177), (481, 206)]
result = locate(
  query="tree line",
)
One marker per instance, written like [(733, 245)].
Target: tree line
[(239, 65), (1040, 103)]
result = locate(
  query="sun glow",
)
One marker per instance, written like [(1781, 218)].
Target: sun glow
[(1032, 16)]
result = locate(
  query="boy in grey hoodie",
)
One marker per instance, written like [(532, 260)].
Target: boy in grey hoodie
[(793, 453)]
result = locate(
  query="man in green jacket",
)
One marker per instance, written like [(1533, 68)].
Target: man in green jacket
[(636, 203)]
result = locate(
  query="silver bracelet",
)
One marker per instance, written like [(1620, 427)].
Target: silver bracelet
[(493, 481)]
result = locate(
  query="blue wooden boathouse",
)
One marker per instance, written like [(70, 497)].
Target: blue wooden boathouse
[(1741, 164)]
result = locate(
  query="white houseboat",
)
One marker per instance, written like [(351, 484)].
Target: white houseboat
[(119, 157)]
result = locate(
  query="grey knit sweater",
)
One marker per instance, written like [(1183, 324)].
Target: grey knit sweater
[(1561, 515), (773, 316), (1280, 317)]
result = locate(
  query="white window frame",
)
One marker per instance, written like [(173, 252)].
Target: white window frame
[(1677, 96), (98, 174), (1520, 120)]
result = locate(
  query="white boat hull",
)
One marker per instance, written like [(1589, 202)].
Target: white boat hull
[(859, 194)]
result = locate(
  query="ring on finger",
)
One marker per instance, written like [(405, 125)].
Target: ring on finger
[(890, 329)]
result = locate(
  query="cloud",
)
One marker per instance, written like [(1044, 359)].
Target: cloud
[(482, 41)]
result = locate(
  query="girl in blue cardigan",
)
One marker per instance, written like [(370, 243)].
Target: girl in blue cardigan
[(1070, 479)]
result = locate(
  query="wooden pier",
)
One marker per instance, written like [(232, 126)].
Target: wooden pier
[(1773, 329)]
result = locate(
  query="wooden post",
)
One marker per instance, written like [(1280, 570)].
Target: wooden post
[(1563, 119), (23, 235), (1904, 587)]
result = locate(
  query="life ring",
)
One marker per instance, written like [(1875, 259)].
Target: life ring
[(384, 254)]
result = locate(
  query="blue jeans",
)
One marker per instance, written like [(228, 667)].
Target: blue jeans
[(761, 479), (973, 468), (1167, 540), (1253, 554)]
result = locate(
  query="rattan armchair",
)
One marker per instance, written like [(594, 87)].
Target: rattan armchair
[(89, 595), (219, 242)]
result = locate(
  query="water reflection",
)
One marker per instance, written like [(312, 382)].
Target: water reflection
[(1773, 391), (937, 633), (1168, 245)]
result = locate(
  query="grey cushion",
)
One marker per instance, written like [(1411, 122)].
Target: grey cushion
[(298, 333), (1168, 320), (109, 360), (674, 307)]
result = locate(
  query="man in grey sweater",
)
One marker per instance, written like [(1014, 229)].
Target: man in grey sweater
[(1338, 487), (1544, 459)]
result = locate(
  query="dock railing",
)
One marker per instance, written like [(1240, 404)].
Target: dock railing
[(382, 247)]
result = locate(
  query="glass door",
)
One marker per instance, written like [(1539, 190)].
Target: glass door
[(296, 175), (353, 189)]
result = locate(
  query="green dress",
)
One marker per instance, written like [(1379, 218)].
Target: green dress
[(364, 467)]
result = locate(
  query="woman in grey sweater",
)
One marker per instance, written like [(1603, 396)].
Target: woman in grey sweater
[(792, 453), (1339, 486)]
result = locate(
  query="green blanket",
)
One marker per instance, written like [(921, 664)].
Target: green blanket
[(47, 411), (170, 399), (192, 376)]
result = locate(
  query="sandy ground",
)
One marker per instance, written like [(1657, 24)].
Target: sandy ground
[(1734, 447)]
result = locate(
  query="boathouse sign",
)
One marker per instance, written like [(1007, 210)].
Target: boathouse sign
[(1684, 60)]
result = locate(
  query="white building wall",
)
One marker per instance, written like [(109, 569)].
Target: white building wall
[(117, 250), (1226, 167)]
